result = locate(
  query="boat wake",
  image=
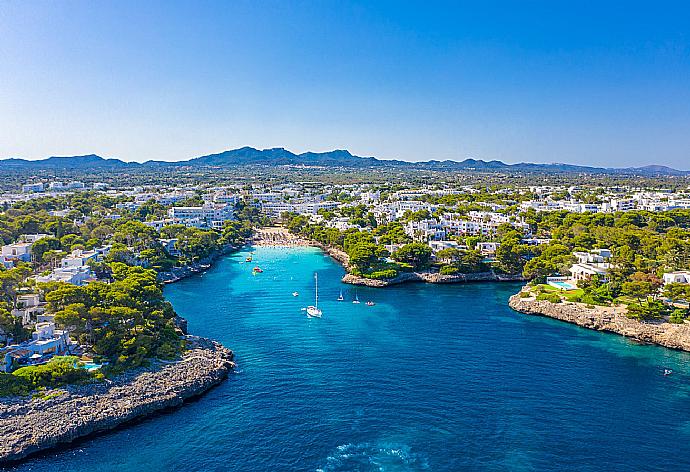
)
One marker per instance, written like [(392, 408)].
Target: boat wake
[(374, 457)]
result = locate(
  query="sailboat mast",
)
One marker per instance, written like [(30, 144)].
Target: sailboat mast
[(316, 285)]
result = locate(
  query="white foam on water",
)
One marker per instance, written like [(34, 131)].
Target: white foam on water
[(382, 457)]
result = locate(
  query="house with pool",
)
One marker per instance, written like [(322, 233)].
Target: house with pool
[(46, 342), (588, 265)]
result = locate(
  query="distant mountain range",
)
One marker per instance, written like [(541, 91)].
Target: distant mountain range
[(337, 158)]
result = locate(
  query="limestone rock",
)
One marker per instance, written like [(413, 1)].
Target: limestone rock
[(31, 425)]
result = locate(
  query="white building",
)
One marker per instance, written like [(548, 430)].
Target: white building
[(441, 245), (425, 230), (620, 204), (585, 271), (46, 342), (487, 248), (70, 275), (159, 224), (29, 306), (275, 209), (596, 256), (227, 198), (17, 252), (32, 238), (678, 277), (209, 215), (79, 258), (33, 187)]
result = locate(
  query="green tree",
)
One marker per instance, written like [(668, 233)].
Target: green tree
[(415, 254)]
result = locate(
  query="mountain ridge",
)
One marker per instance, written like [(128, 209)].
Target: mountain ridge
[(336, 158)]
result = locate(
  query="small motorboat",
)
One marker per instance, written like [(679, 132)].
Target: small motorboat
[(248, 259), (370, 303), (257, 269), (295, 294), (667, 372)]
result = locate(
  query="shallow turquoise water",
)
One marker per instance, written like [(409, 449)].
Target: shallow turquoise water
[(440, 378)]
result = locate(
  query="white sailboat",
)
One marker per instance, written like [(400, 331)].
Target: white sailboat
[(356, 300), (313, 311), (340, 297)]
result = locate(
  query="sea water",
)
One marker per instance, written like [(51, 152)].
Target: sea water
[(432, 377)]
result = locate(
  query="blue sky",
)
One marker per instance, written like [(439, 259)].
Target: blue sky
[(578, 82)]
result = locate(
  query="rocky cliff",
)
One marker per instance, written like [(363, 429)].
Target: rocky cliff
[(28, 426), (610, 319)]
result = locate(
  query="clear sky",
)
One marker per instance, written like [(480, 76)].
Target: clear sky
[(578, 82)]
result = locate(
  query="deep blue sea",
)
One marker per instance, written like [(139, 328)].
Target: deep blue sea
[(443, 378)]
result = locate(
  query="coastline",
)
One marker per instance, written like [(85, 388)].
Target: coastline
[(179, 273), (29, 425), (607, 319), (431, 278), (281, 237)]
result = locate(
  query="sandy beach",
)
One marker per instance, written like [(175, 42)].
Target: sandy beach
[(277, 236)]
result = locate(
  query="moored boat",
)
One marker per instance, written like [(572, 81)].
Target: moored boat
[(313, 311)]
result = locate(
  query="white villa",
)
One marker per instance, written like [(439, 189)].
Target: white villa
[(29, 307), (72, 275), (487, 249), (585, 271), (17, 252), (678, 277), (46, 342), (79, 258)]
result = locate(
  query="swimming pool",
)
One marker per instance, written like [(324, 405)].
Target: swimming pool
[(563, 285)]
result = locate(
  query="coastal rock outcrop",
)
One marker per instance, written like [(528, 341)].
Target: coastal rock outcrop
[(432, 278), (338, 255), (609, 319), (28, 426)]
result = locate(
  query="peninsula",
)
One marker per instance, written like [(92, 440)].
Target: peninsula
[(60, 416), (608, 319)]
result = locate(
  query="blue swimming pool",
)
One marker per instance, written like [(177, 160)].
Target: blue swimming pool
[(563, 285)]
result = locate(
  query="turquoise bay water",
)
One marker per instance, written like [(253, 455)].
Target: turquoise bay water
[(441, 378)]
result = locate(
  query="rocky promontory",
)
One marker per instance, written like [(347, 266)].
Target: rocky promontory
[(609, 319), (32, 425), (431, 278), (406, 277)]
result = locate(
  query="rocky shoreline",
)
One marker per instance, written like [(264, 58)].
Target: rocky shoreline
[(408, 277), (178, 273), (608, 319), (431, 278), (28, 426)]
